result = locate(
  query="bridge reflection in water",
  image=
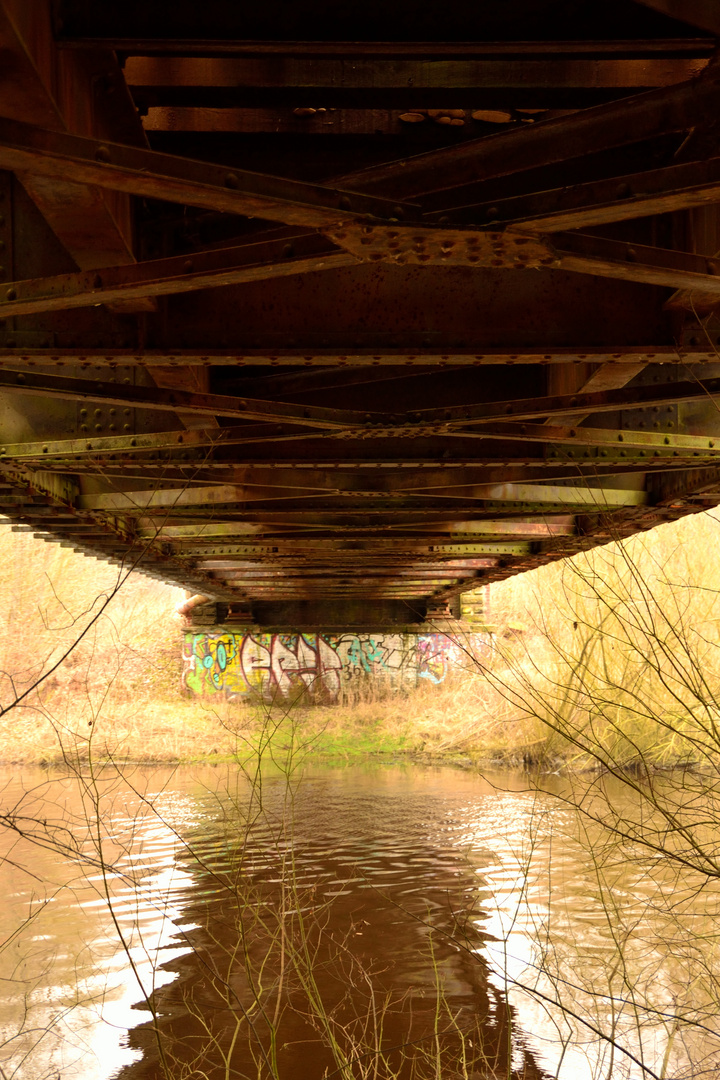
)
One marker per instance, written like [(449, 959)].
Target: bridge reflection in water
[(385, 919)]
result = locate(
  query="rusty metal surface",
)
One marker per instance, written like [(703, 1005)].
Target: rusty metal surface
[(429, 376), (180, 274), (73, 159)]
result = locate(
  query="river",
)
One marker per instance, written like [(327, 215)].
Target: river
[(366, 922)]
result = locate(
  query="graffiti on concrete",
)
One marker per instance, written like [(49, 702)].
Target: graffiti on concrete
[(325, 667)]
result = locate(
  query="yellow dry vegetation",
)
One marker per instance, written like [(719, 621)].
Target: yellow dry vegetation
[(609, 657), (617, 651), (82, 643)]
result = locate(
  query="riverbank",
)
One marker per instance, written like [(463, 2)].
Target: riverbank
[(437, 723), (465, 722), (610, 664)]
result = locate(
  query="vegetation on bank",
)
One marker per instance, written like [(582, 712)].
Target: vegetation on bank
[(609, 659)]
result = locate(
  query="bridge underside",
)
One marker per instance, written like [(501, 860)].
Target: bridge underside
[(332, 313)]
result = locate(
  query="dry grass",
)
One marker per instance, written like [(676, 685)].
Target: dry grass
[(82, 644), (615, 652), (463, 716)]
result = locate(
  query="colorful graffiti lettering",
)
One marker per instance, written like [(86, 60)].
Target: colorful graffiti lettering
[(263, 664), (436, 653), (324, 667), (211, 656)]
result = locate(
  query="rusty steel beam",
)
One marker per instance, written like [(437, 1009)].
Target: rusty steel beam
[(410, 597), (41, 87), (191, 534), (324, 564), (179, 274), (570, 404), (574, 435), (146, 397), (347, 421), (399, 82), (419, 50), (395, 546), (549, 142), (319, 509), (167, 499), (599, 202), (182, 180), (353, 357), (93, 449), (638, 262), (299, 574), (322, 590), (278, 121), (544, 494)]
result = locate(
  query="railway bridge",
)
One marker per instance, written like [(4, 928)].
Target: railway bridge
[(334, 312)]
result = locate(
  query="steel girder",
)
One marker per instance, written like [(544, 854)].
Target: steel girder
[(330, 363)]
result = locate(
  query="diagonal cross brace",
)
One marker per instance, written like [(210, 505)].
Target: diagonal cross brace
[(260, 261), (175, 179), (150, 397), (549, 142), (596, 202)]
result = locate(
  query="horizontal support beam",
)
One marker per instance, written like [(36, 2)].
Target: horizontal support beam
[(536, 530), (309, 574), (321, 596), (363, 578), (228, 494), (420, 356), (216, 565), (174, 179), (368, 579), (180, 274), (397, 82), (413, 548), (278, 121), (419, 50), (366, 514), (556, 494), (91, 450), (322, 591)]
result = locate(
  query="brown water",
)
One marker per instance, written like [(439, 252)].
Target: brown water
[(368, 922)]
